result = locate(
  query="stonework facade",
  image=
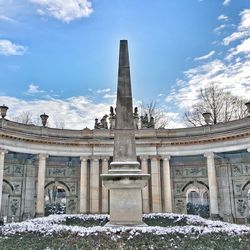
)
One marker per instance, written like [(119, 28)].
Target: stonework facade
[(208, 165)]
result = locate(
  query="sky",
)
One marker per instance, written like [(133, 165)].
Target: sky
[(61, 56)]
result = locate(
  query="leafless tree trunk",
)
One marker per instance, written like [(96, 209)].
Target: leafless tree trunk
[(222, 105), (26, 118)]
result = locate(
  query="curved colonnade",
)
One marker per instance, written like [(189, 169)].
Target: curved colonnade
[(214, 159)]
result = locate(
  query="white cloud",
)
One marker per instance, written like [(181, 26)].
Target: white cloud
[(75, 112), (99, 91), (34, 89), (219, 28), (223, 17), (234, 77), (243, 29), (210, 54), (63, 10), (231, 72), (106, 96), (8, 48), (226, 2), (5, 18), (244, 47)]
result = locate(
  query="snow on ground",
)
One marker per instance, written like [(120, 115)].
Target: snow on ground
[(53, 225)]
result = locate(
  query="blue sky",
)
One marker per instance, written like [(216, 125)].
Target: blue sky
[(61, 56)]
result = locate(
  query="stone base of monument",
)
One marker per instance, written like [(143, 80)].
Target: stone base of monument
[(125, 182)]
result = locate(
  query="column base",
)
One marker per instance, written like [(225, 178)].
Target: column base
[(228, 218), (39, 215), (215, 217)]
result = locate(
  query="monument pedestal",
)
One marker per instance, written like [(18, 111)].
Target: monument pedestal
[(125, 182)]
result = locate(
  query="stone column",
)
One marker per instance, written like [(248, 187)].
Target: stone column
[(156, 185), (105, 196), (167, 184), (145, 194), (94, 186), (83, 185), (41, 184), (212, 182), (2, 156)]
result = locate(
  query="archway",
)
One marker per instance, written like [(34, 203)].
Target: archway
[(55, 198), (197, 200), (5, 203)]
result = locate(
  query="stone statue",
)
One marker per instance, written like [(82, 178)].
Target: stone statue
[(147, 123), (103, 124), (136, 111), (97, 124), (111, 112), (144, 121), (136, 118), (112, 118), (151, 123)]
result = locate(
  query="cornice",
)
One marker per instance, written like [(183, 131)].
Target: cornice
[(152, 137)]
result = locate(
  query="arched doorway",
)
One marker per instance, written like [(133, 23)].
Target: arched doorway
[(5, 204), (197, 200), (55, 198)]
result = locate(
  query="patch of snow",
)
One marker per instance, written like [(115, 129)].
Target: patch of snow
[(196, 226)]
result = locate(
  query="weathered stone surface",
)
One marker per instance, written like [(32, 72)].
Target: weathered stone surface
[(125, 180), (124, 141)]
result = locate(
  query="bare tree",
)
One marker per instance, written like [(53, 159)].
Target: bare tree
[(59, 124), (222, 105), (26, 118), (161, 119)]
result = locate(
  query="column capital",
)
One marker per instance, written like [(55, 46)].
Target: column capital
[(144, 157), (105, 158), (154, 157), (166, 157), (84, 158), (209, 154), (43, 156), (3, 151)]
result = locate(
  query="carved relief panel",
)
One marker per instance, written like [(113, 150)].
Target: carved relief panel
[(240, 169), (190, 172)]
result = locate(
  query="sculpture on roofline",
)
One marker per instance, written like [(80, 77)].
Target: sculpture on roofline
[(103, 124), (147, 123), (112, 117), (136, 118), (151, 123), (111, 111)]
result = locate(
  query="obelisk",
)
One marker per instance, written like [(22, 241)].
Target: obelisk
[(124, 144), (124, 179)]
